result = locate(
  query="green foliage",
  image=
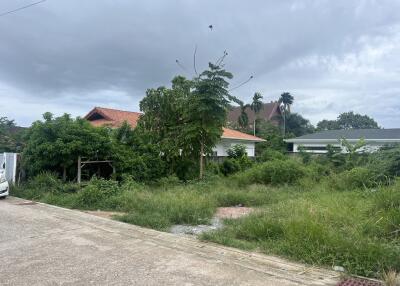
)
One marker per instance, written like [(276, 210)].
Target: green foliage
[(206, 114), (163, 119), (237, 151), (334, 155), (178, 207), (270, 154), (273, 172), (386, 161), (97, 192), (305, 156), (169, 181), (55, 144), (237, 160), (356, 178), (256, 104), (385, 214), (46, 181), (186, 121), (353, 229), (298, 125), (272, 134), (324, 228), (230, 166), (133, 154), (10, 136), (243, 119), (348, 120)]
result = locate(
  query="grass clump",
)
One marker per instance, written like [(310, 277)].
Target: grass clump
[(317, 227), (274, 172)]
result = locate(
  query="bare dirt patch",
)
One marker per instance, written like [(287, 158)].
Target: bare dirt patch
[(104, 214), (216, 221), (233, 212)]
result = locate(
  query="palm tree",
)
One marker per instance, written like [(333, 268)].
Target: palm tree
[(243, 119), (285, 101), (256, 106)]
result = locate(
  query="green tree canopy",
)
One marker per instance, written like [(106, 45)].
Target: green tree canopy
[(207, 111), (55, 143), (186, 120), (348, 120), (298, 125), (10, 136)]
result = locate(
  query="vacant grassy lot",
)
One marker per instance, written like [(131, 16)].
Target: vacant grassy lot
[(312, 223)]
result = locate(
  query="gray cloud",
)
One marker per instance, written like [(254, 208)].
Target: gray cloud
[(68, 56)]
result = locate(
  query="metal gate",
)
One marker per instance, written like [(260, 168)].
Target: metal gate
[(8, 161)]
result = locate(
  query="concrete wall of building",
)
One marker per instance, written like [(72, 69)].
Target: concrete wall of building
[(320, 148)]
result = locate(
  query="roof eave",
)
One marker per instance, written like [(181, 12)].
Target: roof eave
[(243, 139), (338, 139)]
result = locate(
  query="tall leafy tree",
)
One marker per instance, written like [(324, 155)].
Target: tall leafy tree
[(206, 112), (285, 101), (348, 120), (10, 136), (55, 143), (133, 154), (163, 118), (297, 125)]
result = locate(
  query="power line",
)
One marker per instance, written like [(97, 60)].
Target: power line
[(243, 83), (21, 8), (194, 60)]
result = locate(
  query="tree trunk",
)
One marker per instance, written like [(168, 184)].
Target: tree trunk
[(284, 124), (64, 176), (201, 160)]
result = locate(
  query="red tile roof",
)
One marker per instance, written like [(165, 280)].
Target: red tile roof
[(100, 116), (234, 134)]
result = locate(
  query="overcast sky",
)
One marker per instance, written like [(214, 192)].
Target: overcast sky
[(71, 55)]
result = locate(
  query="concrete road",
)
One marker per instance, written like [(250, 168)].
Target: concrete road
[(46, 245)]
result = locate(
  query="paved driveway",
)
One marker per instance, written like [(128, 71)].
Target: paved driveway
[(47, 245)]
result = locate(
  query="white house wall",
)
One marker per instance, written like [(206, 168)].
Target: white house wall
[(224, 145), (10, 162), (370, 147)]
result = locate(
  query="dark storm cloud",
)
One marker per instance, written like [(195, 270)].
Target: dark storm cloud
[(67, 56)]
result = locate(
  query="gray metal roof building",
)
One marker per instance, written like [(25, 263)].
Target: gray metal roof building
[(374, 139), (356, 134)]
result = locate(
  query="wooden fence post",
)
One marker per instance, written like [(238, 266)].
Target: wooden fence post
[(79, 170)]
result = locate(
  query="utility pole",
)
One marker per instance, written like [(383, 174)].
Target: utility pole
[(79, 170)]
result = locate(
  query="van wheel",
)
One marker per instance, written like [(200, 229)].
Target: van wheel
[(3, 198)]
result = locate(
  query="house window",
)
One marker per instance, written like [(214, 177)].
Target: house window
[(317, 148)]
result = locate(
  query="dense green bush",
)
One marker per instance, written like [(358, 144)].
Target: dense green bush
[(230, 166), (45, 182), (356, 178), (274, 172), (97, 192), (169, 181), (386, 162), (270, 154)]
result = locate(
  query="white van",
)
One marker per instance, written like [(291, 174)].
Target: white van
[(4, 187)]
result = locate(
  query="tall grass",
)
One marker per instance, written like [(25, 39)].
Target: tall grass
[(304, 212), (320, 227)]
